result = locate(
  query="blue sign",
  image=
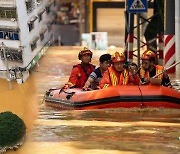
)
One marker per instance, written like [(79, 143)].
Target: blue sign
[(137, 6)]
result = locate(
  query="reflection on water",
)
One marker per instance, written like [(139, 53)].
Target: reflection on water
[(110, 130)]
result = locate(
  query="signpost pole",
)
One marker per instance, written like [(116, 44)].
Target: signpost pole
[(137, 6), (138, 38)]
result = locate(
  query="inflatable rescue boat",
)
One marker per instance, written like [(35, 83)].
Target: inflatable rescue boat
[(114, 97)]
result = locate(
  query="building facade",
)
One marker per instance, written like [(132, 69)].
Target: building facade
[(26, 30)]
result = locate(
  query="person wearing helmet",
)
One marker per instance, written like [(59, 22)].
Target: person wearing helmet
[(97, 74), (150, 69), (81, 72), (117, 74)]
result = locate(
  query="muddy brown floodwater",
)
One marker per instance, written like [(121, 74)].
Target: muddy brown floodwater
[(105, 131)]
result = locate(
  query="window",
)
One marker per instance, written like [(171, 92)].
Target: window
[(12, 55), (33, 43), (47, 9), (31, 22), (41, 37), (31, 26), (30, 5), (42, 32), (9, 35), (40, 17), (48, 5), (40, 12), (33, 46), (8, 14)]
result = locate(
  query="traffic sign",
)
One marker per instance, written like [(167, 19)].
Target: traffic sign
[(137, 6)]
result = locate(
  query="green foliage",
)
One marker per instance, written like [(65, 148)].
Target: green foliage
[(12, 129)]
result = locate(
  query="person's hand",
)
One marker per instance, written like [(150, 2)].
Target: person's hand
[(165, 74), (146, 81), (66, 86), (86, 89)]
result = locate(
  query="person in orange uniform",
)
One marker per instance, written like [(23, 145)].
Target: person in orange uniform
[(149, 69), (117, 74), (81, 72)]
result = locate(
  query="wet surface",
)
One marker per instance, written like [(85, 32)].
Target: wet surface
[(21, 100), (151, 130), (135, 130)]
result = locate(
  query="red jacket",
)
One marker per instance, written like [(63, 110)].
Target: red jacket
[(112, 78), (80, 74)]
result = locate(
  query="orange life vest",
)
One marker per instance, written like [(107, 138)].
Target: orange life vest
[(145, 73), (117, 79), (83, 74)]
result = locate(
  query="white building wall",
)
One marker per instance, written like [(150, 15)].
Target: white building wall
[(24, 33), (25, 36)]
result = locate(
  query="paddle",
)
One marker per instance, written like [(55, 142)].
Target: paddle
[(166, 69)]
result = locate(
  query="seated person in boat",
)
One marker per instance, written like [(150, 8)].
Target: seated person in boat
[(81, 72), (117, 74), (96, 75), (150, 69)]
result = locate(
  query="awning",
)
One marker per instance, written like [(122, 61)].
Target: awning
[(41, 11), (9, 28), (49, 3), (43, 30), (32, 19), (35, 39)]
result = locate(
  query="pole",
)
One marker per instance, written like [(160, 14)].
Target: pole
[(126, 33), (169, 50), (7, 67), (166, 69), (138, 38), (177, 35), (130, 37)]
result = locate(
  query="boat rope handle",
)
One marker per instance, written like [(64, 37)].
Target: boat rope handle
[(66, 92)]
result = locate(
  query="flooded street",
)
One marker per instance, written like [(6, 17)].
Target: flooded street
[(105, 131)]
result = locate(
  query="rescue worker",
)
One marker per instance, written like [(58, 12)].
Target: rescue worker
[(117, 74), (81, 72), (149, 69), (97, 74)]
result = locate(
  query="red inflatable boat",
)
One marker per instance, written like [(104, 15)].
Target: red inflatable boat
[(114, 97)]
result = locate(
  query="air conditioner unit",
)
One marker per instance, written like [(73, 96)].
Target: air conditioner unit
[(13, 19)]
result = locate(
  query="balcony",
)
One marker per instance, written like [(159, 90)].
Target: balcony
[(8, 3), (5, 24)]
